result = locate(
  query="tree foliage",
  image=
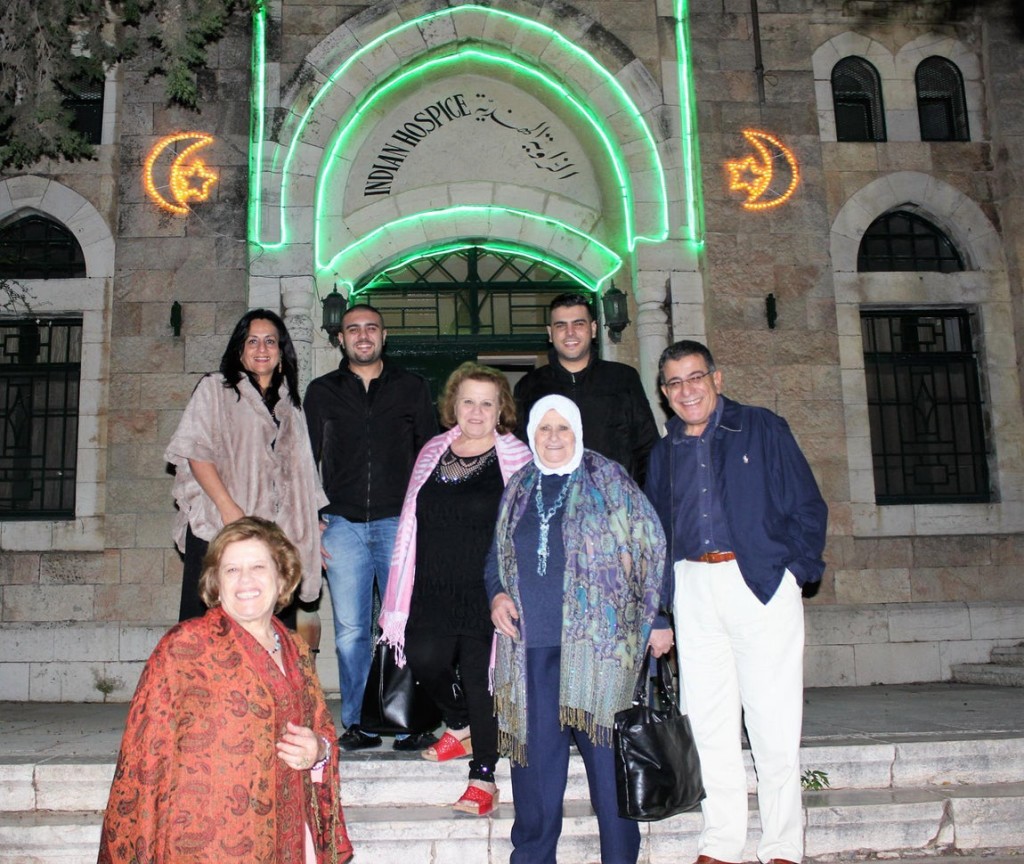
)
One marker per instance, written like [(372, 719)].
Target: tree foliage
[(48, 48)]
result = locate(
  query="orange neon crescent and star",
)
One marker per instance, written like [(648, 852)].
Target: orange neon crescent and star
[(755, 173), (189, 181)]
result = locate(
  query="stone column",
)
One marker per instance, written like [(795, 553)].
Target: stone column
[(297, 302)]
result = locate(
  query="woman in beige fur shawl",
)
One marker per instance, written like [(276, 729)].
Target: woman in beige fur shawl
[(242, 449)]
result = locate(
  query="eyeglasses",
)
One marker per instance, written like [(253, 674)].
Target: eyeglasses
[(692, 380)]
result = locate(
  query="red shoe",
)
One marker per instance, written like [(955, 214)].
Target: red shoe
[(476, 801), (449, 747)]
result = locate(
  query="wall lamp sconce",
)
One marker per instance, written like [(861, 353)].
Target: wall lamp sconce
[(176, 318), (616, 313), (770, 311), (334, 311)]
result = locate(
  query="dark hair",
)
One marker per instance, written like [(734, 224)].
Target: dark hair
[(363, 307), (571, 298), (286, 559), (679, 350), (231, 363), (470, 371)]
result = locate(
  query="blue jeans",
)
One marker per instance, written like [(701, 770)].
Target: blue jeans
[(360, 554)]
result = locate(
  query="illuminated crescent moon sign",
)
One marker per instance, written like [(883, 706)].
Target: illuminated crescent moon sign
[(187, 180), (760, 175)]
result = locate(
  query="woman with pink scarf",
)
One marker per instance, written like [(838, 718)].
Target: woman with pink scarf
[(435, 610)]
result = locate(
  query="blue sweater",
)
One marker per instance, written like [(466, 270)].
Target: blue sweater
[(776, 515)]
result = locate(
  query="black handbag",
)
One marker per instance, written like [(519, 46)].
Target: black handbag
[(657, 770), (393, 703)]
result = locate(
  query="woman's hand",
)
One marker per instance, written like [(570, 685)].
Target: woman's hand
[(300, 747), (325, 556), (661, 641), (505, 616)]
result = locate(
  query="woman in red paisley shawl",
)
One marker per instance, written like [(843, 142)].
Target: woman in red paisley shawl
[(229, 752)]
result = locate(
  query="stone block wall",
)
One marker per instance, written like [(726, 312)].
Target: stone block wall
[(903, 597)]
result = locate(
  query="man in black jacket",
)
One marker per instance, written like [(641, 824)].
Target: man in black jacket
[(617, 418), (367, 421)]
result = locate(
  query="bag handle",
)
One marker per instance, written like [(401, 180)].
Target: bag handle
[(662, 679)]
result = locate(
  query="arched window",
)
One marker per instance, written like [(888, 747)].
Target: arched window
[(857, 95), (941, 105), (35, 247), (901, 240)]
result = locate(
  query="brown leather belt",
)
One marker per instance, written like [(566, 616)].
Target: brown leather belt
[(713, 558)]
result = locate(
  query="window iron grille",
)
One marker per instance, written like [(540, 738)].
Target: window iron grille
[(84, 98), (40, 370), (941, 104), (469, 294), (928, 437), (857, 100), (35, 247), (901, 241)]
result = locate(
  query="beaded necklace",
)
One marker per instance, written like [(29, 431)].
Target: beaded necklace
[(277, 645), (545, 517), (452, 468)]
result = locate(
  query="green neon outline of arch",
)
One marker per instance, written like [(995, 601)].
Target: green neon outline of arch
[(491, 246), (473, 56), (694, 229), (257, 123), (525, 23), (611, 266)]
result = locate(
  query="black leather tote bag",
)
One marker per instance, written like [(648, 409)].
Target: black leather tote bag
[(393, 704), (657, 770)]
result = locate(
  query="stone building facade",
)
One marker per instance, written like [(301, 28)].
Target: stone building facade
[(697, 155)]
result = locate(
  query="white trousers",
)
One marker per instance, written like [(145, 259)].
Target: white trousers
[(738, 653)]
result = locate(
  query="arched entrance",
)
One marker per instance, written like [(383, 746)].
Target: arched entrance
[(470, 300)]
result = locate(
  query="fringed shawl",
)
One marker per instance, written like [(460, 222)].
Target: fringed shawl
[(198, 778), (614, 559), (512, 455)]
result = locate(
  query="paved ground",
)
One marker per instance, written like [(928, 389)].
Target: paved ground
[(832, 715)]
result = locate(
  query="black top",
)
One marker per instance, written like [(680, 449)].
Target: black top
[(454, 528), (617, 418), (365, 441)]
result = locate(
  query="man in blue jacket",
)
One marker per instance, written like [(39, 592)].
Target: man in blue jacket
[(745, 524)]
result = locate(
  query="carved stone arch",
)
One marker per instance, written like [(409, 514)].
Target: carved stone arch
[(983, 288), (850, 44), (368, 51), (933, 45), (90, 297), (960, 218), (29, 194)]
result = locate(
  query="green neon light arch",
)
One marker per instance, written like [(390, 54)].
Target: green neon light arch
[(554, 36), (585, 282), (475, 57), (606, 262), (694, 229)]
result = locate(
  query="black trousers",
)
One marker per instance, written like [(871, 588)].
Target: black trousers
[(454, 671)]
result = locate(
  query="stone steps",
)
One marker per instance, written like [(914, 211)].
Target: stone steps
[(1004, 669), (886, 799), (841, 825)]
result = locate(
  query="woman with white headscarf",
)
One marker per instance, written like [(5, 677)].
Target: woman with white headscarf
[(574, 579)]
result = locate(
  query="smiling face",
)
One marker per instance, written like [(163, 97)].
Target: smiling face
[(476, 409), (362, 337), (261, 352), (554, 442), (249, 582), (572, 332), (691, 391)]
